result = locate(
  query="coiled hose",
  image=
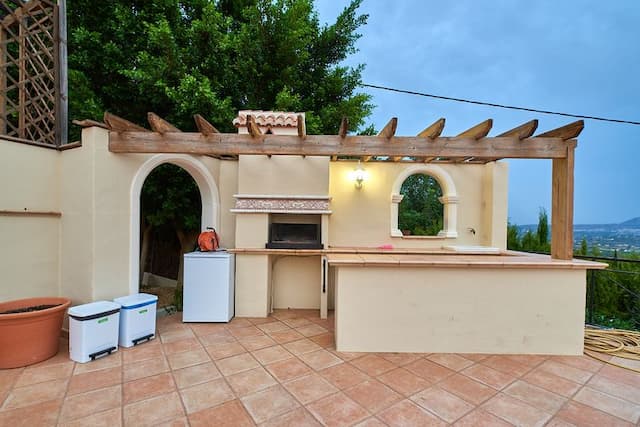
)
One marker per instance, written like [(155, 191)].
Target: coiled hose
[(612, 342)]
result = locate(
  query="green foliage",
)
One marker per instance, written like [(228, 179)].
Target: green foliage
[(420, 211), (529, 241)]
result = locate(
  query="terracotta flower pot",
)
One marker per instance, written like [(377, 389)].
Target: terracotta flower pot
[(30, 337)]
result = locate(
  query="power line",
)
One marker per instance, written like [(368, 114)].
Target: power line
[(490, 104)]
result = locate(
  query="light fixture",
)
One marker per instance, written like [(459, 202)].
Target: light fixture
[(359, 175)]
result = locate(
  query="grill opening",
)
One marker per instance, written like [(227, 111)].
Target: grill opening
[(294, 236)]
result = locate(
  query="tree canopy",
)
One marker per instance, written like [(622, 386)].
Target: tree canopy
[(420, 212), (178, 58)]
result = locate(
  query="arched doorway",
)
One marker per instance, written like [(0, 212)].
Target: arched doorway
[(209, 194)]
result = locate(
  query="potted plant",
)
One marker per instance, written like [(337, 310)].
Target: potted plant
[(30, 330)]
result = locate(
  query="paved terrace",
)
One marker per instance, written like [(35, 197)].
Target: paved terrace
[(284, 371)]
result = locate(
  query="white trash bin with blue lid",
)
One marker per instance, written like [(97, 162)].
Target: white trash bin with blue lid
[(93, 330), (137, 318)]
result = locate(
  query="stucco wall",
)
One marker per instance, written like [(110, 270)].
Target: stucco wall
[(363, 217), (29, 244)]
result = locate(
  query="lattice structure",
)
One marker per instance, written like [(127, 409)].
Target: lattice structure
[(31, 93)]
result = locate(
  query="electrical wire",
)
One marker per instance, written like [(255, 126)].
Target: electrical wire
[(491, 104), (612, 342)]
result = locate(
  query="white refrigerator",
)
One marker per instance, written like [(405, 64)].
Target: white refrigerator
[(209, 285)]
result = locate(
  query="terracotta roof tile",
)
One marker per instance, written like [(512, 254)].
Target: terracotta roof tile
[(268, 118)]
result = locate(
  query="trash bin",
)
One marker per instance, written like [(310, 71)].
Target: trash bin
[(93, 330), (137, 318)]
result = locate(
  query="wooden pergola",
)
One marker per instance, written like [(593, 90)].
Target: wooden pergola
[(471, 146)]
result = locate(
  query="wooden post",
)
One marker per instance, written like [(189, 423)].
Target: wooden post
[(60, 73), (562, 205)]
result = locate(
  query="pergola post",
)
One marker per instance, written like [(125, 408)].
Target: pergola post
[(562, 205)]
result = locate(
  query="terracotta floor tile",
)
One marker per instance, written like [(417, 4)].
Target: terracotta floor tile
[(480, 418), (373, 395), (289, 369), (85, 404), (320, 359), (239, 322), (271, 354), (447, 406), (94, 380), (400, 359), (248, 331), (145, 388), (311, 330), (197, 374), (176, 422), (219, 338), (515, 411), (181, 345), (282, 314), (403, 381), (269, 403), (628, 363), (153, 411), (470, 390), (337, 410), (176, 335), (610, 404), (565, 371), (233, 365), (581, 362), (40, 374), (206, 395), (296, 418), (344, 375), (230, 414), (141, 352), (371, 422), (282, 337), (348, 356), (35, 393), (327, 340), (552, 382), (531, 360), (616, 388), (145, 368), (310, 388), (8, 377), (621, 375), (506, 365), (110, 361), (39, 414), (535, 396), (273, 327), (188, 358), (202, 329), (586, 416), (474, 357), (373, 365), (429, 370), (250, 381), (257, 342), (451, 361), (557, 422), (408, 414), (488, 376), (222, 351), (109, 418), (260, 320), (296, 322), (301, 346)]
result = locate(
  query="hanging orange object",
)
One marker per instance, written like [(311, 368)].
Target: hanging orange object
[(209, 240)]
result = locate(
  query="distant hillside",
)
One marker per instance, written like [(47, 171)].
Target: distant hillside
[(632, 221)]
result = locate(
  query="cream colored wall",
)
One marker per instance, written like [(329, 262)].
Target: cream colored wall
[(252, 230), (460, 310), (253, 285), (29, 245), (362, 217), (228, 186), (296, 282), (283, 175)]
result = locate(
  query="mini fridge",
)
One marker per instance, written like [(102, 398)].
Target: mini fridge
[(209, 287)]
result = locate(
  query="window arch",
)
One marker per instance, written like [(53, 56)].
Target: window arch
[(420, 213), (449, 198)]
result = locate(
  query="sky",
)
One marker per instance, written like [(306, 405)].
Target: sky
[(575, 56)]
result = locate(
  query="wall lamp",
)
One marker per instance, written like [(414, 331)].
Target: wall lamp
[(358, 176)]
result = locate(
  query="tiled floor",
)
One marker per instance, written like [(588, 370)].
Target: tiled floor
[(284, 371)]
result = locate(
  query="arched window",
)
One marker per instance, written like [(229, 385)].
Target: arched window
[(420, 213), (431, 177)]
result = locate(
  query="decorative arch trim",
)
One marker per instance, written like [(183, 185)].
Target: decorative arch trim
[(208, 192), (449, 198)]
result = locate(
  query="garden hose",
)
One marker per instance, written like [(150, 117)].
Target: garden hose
[(612, 342)]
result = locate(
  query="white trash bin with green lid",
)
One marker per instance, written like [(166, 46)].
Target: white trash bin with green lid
[(93, 330), (137, 318)]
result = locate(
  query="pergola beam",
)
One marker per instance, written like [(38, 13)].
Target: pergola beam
[(118, 124), (302, 128), (477, 132), (344, 127), (389, 130), (204, 126), (334, 145), (523, 131), (570, 131), (434, 130), (252, 126), (160, 125)]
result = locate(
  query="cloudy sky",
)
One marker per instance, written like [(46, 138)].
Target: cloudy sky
[(580, 57)]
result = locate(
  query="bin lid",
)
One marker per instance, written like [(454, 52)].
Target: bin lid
[(136, 300), (93, 310)]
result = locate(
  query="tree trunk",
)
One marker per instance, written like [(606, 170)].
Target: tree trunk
[(187, 242), (147, 237)]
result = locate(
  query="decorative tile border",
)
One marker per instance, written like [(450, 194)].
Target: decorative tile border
[(281, 204)]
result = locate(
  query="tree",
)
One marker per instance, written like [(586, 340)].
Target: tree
[(420, 211)]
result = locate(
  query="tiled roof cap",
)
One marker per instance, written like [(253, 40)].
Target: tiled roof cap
[(268, 118)]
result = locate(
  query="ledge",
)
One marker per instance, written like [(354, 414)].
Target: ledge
[(5, 212)]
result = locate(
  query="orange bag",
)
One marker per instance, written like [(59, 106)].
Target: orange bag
[(208, 240)]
